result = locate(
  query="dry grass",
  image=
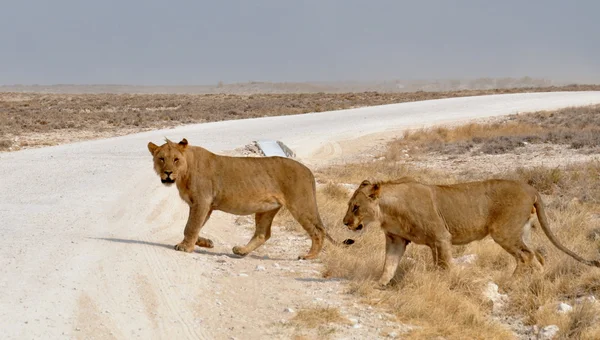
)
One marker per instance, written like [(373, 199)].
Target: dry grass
[(24, 114), (450, 303), (319, 316), (577, 127), (320, 319)]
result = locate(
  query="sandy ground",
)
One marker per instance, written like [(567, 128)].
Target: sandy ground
[(87, 232)]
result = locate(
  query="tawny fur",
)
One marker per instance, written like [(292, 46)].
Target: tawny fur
[(240, 186), (443, 215)]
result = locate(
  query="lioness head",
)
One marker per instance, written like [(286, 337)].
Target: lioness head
[(363, 208), (169, 160)]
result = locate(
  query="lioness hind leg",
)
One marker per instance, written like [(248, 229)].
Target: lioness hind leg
[(316, 233), (261, 235), (526, 258)]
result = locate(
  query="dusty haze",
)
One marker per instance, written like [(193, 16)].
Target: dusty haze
[(154, 42)]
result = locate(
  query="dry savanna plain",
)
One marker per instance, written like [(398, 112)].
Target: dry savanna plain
[(557, 152)]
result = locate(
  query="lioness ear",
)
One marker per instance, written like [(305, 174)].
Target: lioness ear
[(375, 191), (183, 144), (152, 147)]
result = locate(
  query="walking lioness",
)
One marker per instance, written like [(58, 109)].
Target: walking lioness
[(442, 215), (240, 186)]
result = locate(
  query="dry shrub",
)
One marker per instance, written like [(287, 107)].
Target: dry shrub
[(320, 316), (319, 319), (578, 127)]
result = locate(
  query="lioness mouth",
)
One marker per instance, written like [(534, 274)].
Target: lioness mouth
[(167, 181), (360, 226)]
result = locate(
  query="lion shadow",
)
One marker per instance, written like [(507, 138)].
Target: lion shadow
[(202, 251)]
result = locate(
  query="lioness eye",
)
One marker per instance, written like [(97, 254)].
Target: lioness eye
[(355, 209), (162, 159), (176, 160)]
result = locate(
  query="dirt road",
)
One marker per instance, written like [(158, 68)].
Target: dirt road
[(87, 233)]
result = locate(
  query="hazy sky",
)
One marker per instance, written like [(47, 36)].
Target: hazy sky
[(151, 42)]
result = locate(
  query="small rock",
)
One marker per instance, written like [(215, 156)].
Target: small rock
[(276, 265), (288, 310), (357, 325), (564, 308), (260, 268), (242, 275), (548, 332), (491, 292), (354, 321), (219, 303), (584, 299), (594, 234), (393, 335), (318, 300)]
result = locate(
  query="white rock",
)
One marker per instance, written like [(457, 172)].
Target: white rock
[(548, 332), (276, 265), (357, 325), (288, 310), (466, 259), (564, 308), (354, 321), (242, 274), (393, 335), (491, 292), (583, 299), (260, 268)]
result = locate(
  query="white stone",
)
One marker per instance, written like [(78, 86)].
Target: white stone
[(243, 275), (288, 310), (260, 268), (583, 299), (392, 335), (548, 332), (491, 292), (564, 308)]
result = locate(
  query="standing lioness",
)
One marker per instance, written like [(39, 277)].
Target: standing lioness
[(241, 186), (442, 215)]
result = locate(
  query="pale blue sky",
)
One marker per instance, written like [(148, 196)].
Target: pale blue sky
[(151, 42)]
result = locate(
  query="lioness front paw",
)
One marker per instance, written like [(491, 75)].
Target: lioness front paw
[(184, 247), (307, 257), (238, 250), (204, 242)]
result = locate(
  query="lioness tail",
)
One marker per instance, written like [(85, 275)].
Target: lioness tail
[(539, 207)]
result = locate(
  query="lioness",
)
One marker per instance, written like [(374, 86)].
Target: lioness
[(442, 215), (241, 186)]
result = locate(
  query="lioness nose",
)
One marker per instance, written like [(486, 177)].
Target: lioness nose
[(168, 173)]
